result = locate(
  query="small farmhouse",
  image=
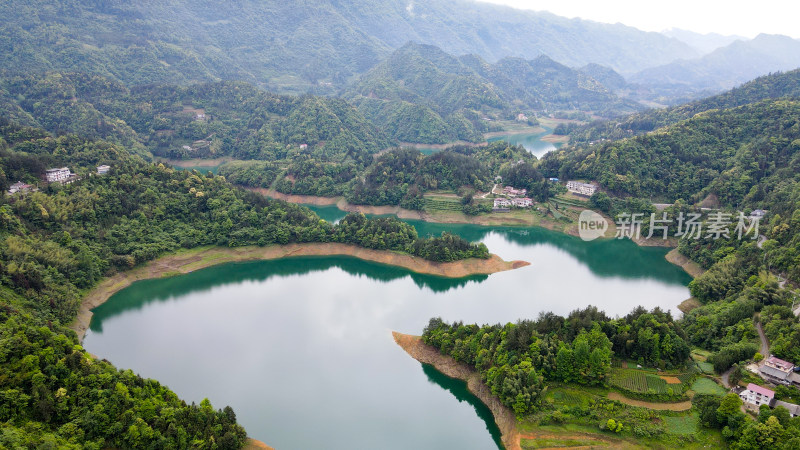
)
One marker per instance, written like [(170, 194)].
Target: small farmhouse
[(20, 187)]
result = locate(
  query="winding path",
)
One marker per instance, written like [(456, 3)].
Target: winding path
[(764, 350)]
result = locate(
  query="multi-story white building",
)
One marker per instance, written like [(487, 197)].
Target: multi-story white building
[(524, 202), (102, 170), (776, 370), (756, 395), (58, 175), (581, 188)]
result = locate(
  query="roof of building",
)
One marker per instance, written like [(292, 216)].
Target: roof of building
[(760, 390), (58, 169), (773, 372), (785, 365), (793, 409)]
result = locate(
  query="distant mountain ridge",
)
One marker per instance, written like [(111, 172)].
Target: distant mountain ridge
[(703, 43), (726, 67), (299, 46)]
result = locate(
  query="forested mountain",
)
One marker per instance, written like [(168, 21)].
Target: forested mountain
[(204, 120), (773, 86), (725, 67), (422, 94), (703, 43), (731, 153), (300, 45)]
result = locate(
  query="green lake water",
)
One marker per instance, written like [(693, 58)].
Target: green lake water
[(531, 141), (301, 347)]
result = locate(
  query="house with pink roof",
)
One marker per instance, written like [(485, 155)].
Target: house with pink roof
[(756, 395)]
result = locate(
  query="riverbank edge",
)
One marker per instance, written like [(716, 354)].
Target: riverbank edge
[(185, 261), (503, 416)]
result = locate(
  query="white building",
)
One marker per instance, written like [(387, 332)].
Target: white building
[(102, 170), (581, 188), (502, 203), (524, 202), (58, 175), (756, 395)]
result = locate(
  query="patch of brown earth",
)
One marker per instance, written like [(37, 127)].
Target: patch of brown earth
[(670, 380), (691, 267)]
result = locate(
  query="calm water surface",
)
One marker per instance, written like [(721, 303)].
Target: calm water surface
[(531, 141), (301, 347)]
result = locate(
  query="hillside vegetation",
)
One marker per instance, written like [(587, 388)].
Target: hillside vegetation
[(422, 94)]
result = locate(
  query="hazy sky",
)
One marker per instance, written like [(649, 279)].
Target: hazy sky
[(704, 16)]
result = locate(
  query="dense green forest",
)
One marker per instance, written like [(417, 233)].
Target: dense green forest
[(736, 154), (303, 46), (422, 94), (518, 360), (212, 120), (58, 242)]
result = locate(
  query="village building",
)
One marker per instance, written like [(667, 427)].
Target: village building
[(511, 192), (581, 188), (522, 117), (755, 395), (58, 175), (758, 214), (794, 410), (502, 203), (102, 170), (303, 146), (524, 202), (20, 187), (776, 370), (553, 180)]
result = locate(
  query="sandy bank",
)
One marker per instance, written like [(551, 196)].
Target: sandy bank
[(555, 139), (503, 416), (254, 444), (191, 260), (691, 267)]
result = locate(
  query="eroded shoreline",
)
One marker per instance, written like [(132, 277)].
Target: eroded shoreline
[(190, 260), (503, 416)]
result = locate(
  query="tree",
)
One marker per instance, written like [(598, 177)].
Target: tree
[(729, 406)]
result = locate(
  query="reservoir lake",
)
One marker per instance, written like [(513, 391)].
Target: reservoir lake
[(301, 348)]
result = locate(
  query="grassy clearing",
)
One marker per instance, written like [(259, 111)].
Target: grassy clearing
[(565, 442), (687, 424), (705, 385)]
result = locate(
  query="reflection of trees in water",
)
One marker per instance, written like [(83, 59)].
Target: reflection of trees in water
[(459, 390), (145, 292), (605, 258)]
